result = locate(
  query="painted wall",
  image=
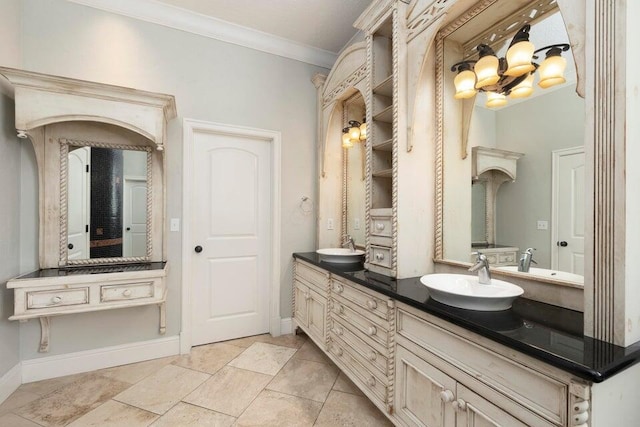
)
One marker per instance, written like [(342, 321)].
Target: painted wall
[(211, 81), (9, 189), (559, 123)]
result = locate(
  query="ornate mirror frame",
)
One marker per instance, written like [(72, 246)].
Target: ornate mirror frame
[(64, 175)]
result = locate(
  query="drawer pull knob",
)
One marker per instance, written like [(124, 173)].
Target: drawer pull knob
[(56, 299), (127, 292), (341, 309), (371, 381), (580, 418), (379, 226), (372, 330), (581, 406), (372, 304), (459, 405), (307, 296), (447, 396), (379, 256), (373, 355), (338, 288), (337, 331), (338, 352)]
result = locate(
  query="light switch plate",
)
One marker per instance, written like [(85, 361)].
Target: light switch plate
[(330, 224), (175, 224), (543, 225), (356, 224)]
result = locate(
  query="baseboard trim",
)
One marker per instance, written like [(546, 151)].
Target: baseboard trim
[(286, 326), (10, 382), (84, 361)]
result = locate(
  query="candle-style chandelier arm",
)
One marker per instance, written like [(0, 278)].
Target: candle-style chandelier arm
[(553, 49)]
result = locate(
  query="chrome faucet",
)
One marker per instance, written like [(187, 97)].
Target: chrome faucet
[(348, 241), (526, 259), (482, 267)]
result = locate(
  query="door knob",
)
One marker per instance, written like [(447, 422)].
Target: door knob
[(562, 243), (128, 228), (70, 246), (198, 249)]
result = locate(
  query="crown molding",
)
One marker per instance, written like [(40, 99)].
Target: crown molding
[(180, 19)]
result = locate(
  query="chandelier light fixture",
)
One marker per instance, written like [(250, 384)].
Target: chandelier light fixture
[(353, 133), (512, 75)]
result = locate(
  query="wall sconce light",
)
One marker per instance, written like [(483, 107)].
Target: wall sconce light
[(355, 132), (510, 76)]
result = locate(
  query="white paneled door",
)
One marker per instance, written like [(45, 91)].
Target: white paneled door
[(568, 200), (230, 235), (135, 217)]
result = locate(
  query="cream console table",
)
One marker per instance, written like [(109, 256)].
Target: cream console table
[(59, 291), (423, 363)]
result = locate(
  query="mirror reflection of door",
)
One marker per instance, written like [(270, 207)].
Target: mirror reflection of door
[(568, 213), (78, 210), (135, 204)]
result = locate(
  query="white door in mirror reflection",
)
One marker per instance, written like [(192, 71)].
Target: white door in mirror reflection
[(135, 217), (78, 211), (568, 201), (230, 226)]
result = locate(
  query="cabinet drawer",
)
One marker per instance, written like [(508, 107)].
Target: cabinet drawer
[(507, 258), (376, 359), (130, 291), (369, 303), (312, 275), (371, 333), (381, 256), (57, 298), (381, 226), (534, 390), (372, 384)]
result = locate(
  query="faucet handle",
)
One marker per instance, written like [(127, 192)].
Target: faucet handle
[(530, 251)]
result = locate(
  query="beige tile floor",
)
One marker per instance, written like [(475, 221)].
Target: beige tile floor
[(254, 381)]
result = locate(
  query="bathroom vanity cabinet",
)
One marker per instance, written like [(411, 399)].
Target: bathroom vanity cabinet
[(426, 364)]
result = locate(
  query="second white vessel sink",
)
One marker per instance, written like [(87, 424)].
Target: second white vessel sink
[(340, 255), (543, 272), (464, 291)]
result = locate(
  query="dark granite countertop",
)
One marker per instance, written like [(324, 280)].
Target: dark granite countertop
[(546, 332), (92, 269)]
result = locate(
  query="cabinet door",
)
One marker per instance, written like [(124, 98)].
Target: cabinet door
[(300, 296), (475, 411), (316, 316), (424, 394)]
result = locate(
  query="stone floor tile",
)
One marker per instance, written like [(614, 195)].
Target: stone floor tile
[(280, 410), (310, 351), (344, 384), (135, 372), (17, 399), (344, 409), (45, 387), (69, 403), (185, 415), (209, 358), (289, 340), (305, 378), (229, 391), (264, 358), (12, 420), (115, 414), (159, 392)]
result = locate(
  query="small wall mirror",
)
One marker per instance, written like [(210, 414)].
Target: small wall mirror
[(513, 175), (107, 211), (354, 157)]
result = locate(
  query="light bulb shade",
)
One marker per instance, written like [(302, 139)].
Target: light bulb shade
[(524, 88), (519, 58), (346, 140), (354, 133), (465, 83), (552, 71), (495, 100), (363, 131), (486, 70)]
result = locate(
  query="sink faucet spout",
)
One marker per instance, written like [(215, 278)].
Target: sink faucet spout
[(482, 267), (348, 241)]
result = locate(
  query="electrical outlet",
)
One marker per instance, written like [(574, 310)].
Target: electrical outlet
[(543, 225), (356, 224), (330, 224), (175, 224)]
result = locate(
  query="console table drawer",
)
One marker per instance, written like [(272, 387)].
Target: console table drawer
[(127, 292), (57, 298)]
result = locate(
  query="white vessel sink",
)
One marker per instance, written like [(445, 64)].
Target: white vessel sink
[(464, 291), (543, 272), (340, 255)]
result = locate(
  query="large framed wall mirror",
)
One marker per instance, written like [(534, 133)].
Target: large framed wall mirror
[(354, 183), (513, 166), (106, 202)]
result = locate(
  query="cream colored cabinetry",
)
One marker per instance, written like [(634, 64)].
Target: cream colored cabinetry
[(497, 256), (310, 287), (361, 338)]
